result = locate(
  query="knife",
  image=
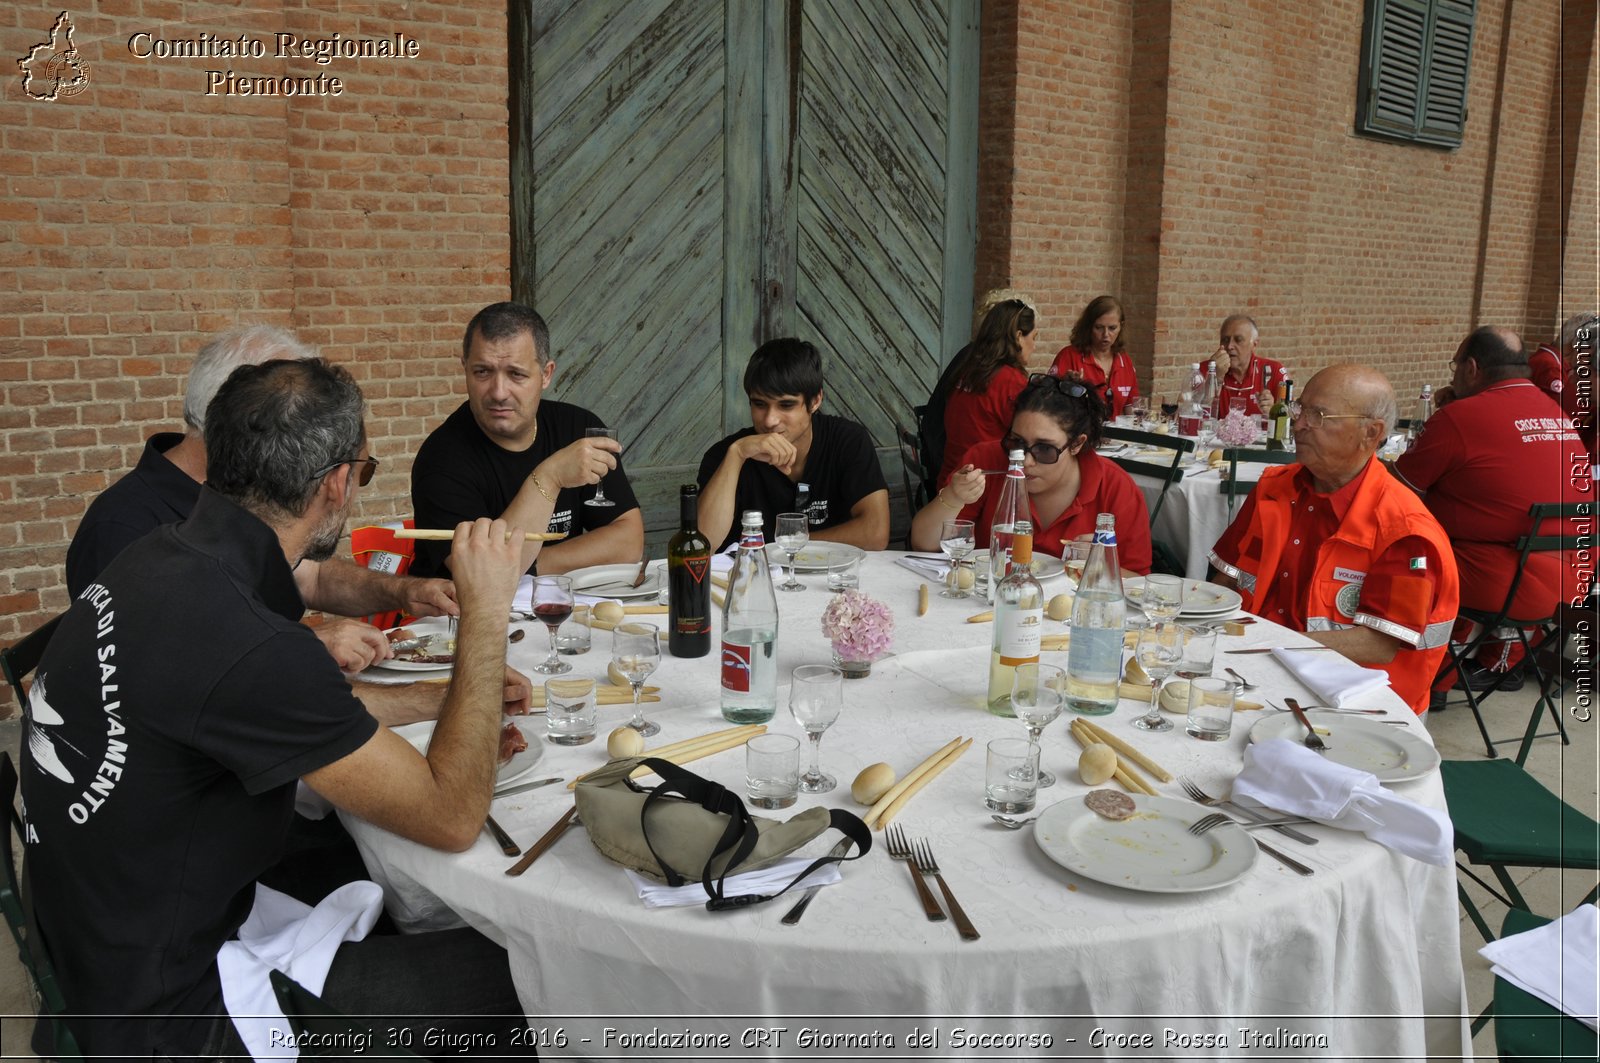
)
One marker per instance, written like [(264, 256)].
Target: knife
[(501, 838), (1269, 649), (549, 838), (800, 906), (520, 787)]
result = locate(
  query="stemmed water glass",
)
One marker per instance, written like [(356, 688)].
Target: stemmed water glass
[(815, 697), (1162, 598), (636, 651), (1037, 691), (552, 603), (957, 542), (1139, 410), (791, 536), (1158, 652), (599, 498)]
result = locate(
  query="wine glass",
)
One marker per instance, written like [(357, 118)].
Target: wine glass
[(815, 697), (1139, 410), (791, 536), (636, 651), (1037, 691), (599, 498), (552, 603), (1158, 652), (1163, 597), (957, 541)]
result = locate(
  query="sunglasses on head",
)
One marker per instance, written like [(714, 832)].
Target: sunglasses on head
[(1066, 386)]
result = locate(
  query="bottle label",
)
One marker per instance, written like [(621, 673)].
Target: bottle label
[(752, 540), (1105, 538), (1017, 634), (736, 668), (697, 567)]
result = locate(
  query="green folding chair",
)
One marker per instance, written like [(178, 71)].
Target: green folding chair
[(1525, 1027), (1165, 559), (1236, 488)]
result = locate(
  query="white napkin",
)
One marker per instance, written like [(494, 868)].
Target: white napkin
[(1334, 678), (1287, 776), (283, 934), (1555, 962), (926, 567), (768, 880)]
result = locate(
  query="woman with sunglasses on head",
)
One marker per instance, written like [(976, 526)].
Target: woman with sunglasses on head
[(1056, 423), (989, 374), (1098, 354)]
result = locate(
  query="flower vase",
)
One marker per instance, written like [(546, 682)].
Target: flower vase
[(852, 669)]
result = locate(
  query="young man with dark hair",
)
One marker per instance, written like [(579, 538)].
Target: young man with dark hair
[(789, 443)]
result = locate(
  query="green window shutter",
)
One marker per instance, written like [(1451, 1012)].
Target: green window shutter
[(1415, 56)]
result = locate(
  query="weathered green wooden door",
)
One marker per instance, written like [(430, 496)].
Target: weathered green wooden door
[(694, 177)]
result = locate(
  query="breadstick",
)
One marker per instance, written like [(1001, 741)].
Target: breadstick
[(442, 535), (922, 600), (981, 618), (696, 748), (1130, 779), (926, 777), (714, 736), (716, 596), (911, 776), (1124, 749), (1055, 642), (644, 609)]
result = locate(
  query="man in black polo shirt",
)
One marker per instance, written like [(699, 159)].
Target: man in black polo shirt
[(165, 485), (180, 701), (791, 443), (509, 452)]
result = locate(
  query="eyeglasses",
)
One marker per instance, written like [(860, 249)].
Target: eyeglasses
[(1043, 453), (1065, 385), (1313, 416), (369, 467)]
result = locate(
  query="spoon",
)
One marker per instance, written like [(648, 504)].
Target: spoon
[(1243, 682), (1010, 823)]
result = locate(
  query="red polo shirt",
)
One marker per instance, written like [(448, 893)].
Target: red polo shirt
[(1115, 390), (970, 417), (1262, 374)]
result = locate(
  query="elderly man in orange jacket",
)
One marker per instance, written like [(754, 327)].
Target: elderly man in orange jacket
[(1336, 547)]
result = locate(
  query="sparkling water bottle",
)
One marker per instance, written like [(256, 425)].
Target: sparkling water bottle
[(1094, 658), (750, 631), (1011, 507)]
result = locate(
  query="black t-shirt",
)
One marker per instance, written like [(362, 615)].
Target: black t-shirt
[(171, 716), (461, 474), (156, 492), (841, 468)]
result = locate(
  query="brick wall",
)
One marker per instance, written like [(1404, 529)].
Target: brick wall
[(142, 215)]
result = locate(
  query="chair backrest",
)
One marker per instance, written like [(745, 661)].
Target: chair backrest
[(1540, 540), (22, 656), (1235, 487), (30, 946), (309, 1014), (375, 546), (913, 475), (1168, 472)]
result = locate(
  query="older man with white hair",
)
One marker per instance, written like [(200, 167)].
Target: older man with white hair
[(1335, 546)]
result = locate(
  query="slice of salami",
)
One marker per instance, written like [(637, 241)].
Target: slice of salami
[(511, 742), (1109, 803)]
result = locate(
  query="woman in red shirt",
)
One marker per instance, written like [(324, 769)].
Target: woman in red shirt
[(991, 371), (1098, 355), (1057, 425)]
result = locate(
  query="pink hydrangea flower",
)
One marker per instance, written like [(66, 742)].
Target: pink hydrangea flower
[(861, 627)]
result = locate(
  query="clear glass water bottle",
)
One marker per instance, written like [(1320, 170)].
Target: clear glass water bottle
[(1018, 622), (1420, 418), (750, 631), (1011, 507), (1094, 658)]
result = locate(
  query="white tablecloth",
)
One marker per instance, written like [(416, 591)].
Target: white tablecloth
[(1195, 513), (1358, 962)]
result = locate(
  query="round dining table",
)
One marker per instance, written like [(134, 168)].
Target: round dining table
[(1358, 961)]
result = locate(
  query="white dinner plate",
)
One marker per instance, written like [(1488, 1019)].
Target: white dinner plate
[(1151, 851), (420, 734), (1201, 600), (1393, 754), (616, 581), (1044, 566), (432, 625), (817, 557)]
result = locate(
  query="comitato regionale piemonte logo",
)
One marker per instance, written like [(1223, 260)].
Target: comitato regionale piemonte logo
[(53, 69)]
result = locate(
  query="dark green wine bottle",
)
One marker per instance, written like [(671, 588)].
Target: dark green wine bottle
[(689, 581)]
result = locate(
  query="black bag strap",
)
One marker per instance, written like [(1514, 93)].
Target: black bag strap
[(740, 835)]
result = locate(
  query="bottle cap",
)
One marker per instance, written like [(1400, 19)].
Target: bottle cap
[(751, 516), (1015, 456)]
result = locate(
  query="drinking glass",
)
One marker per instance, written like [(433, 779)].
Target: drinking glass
[(552, 603), (1163, 597), (957, 541), (791, 536), (1037, 691), (1158, 651), (1199, 652), (570, 711), (1075, 557), (599, 498), (815, 697), (771, 770), (1010, 782), (1210, 709), (636, 650), (1139, 409)]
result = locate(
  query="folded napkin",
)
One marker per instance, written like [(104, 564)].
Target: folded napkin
[(283, 934), (1555, 962), (1334, 678), (768, 880), (926, 567), (1286, 776)]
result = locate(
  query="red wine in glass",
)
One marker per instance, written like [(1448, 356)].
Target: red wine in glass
[(552, 603), (553, 613)]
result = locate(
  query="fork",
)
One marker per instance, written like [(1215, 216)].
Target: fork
[(1199, 796), (1312, 740), (1209, 823), (900, 850), (927, 865), (1243, 682)]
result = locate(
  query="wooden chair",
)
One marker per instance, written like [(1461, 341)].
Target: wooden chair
[(22, 657), (1232, 485), (1554, 628)]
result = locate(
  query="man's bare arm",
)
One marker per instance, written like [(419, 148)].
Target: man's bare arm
[(868, 526), (1362, 645)]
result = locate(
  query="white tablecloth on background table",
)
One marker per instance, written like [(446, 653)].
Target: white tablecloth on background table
[(1195, 513), (1351, 962)]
